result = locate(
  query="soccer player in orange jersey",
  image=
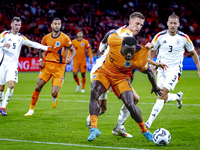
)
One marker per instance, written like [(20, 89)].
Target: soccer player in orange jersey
[(52, 63), (123, 57), (79, 62)]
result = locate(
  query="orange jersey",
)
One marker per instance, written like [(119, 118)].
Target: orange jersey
[(80, 47), (115, 63), (59, 45)]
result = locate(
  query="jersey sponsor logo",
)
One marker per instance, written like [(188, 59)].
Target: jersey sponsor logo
[(9, 40), (164, 41), (94, 76), (57, 44), (127, 64)]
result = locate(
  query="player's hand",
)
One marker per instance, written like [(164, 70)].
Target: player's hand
[(153, 69), (102, 47), (49, 48), (157, 91), (68, 62), (41, 65), (162, 65), (7, 45), (149, 45), (90, 61)]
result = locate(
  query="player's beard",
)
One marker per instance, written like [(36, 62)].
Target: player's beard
[(56, 31)]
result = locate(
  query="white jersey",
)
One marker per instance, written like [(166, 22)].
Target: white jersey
[(122, 32), (171, 48), (11, 55)]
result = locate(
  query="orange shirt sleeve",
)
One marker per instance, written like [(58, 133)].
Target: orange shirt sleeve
[(89, 49)]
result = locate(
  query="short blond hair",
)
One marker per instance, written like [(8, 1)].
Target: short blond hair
[(173, 17), (136, 15)]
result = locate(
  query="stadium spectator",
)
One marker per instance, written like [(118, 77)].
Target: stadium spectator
[(98, 17)]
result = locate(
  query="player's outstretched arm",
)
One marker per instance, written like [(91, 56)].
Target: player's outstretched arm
[(162, 65), (152, 79), (103, 44), (36, 45)]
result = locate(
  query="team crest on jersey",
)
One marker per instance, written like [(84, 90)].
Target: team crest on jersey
[(94, 76), (127, 64), (178, 42), (57, 44), (82, 44)]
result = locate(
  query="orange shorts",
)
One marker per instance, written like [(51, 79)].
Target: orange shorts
[(81, 66), (56, 70), (119, 85)]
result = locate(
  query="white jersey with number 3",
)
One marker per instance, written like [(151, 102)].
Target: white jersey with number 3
[(171, 48), (171, 52)]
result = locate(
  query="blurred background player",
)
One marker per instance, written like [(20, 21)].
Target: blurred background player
[(10, 43), (54, 63), (171, 45), (79, 62)]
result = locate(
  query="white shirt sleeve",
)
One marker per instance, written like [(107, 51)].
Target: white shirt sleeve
[(1, 40), (34, 44)]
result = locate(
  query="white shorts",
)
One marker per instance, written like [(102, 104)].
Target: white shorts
[(169, 78), (8, 73)]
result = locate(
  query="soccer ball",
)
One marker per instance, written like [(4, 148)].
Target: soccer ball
[(161, 137)]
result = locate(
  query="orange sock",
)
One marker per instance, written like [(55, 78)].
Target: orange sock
[(93, 119), (77, 80), (83, 82), (34, 99), (142, 126)]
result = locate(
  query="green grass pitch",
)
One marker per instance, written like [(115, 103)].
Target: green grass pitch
[(64, 127)]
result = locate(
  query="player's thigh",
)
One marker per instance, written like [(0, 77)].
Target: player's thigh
[(58, 75), (76, 67), (121, 85), (11, 73), (2, 75), (168, 79), (83, 67), (103, 78), (44, 75)]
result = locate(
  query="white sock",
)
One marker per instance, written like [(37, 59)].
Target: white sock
[(54, 99), (1, 98), (124, 113), (8, 95), (156, 110), (172, 97)]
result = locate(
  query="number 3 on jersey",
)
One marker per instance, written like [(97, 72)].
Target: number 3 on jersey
[(170, 47)]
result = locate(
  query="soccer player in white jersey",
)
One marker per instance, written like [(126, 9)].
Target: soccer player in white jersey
[(135, 24), (10, 47), (171, 44)]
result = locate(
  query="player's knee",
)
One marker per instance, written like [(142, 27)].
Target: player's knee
[(164, 95), (38, 88), (11, 86)]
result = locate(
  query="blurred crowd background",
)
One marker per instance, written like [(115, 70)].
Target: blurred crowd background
[(96, 17)]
